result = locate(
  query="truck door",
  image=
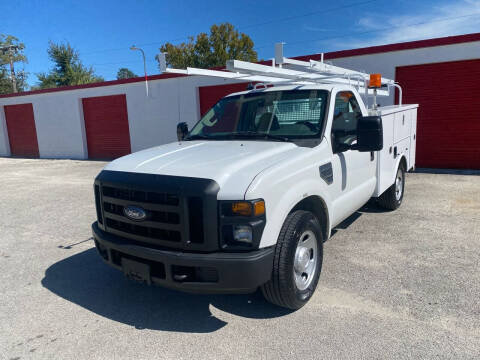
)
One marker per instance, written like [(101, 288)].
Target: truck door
[(354, 172)]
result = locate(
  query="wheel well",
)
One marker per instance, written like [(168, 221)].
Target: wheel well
[(315, 205), (403, 162)]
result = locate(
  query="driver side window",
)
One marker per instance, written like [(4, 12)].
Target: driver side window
[(344, 124)]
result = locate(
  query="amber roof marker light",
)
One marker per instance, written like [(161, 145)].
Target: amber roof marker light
[(375, 81)]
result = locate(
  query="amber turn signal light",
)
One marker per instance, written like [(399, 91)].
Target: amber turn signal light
[(242, 208), (245, 208), (259, 208)]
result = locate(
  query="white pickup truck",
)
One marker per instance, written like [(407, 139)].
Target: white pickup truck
[(246, 199)]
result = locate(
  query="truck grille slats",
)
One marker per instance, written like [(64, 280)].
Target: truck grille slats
[(150, 206), (141, 196), (144, 232), (155, 216), (146, 223)]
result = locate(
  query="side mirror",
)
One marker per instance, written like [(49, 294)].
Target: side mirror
[(182, 130), (369, 134)]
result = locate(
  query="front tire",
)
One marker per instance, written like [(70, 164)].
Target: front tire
[(392, 198), (297, 263)]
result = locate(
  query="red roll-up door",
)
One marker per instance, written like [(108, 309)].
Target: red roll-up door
[(448, 121), (106, 126), (209, 95), (22, 133)]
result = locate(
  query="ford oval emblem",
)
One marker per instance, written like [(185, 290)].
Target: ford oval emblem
[(135, 213)]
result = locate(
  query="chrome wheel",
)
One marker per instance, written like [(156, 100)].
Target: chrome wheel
[(399, 185), (305, 263)]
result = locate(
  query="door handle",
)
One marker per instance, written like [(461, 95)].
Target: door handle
[(372, 156)]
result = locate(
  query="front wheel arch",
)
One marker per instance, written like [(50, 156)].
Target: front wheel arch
[(317, 206)]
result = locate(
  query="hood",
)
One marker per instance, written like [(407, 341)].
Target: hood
[(232, 164)]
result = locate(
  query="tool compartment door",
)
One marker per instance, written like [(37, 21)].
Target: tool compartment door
[(399, 124), (402, 125), (413, 138), (386, 163)]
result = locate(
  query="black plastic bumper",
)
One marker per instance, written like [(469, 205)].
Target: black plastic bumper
[(191, 272)]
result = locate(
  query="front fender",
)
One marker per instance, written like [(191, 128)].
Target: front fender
[(282, 189)]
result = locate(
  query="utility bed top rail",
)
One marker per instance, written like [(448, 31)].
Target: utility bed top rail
[(290, 71)]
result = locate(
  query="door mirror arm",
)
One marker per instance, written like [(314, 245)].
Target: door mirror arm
[(182, 130), (341, 147)]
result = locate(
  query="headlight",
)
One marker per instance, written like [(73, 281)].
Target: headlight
[(242, 234), (241, 224)]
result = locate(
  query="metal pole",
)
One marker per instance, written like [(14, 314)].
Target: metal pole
[(399, 92), (145, 71), (144, 67)]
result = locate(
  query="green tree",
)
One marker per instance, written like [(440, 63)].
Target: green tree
[(223, 43), (124, 73), (68, 69), (11, 52)]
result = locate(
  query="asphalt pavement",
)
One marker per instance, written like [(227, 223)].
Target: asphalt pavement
[(402, 284)]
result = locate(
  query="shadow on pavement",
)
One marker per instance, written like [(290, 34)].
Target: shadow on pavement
[(86, 281), (370, 207), (448, 171)]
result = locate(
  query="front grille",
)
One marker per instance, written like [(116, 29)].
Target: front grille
[(163, 213), (175, 211)]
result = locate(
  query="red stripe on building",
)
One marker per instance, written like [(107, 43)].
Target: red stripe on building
[(94, 85), (409, 45)]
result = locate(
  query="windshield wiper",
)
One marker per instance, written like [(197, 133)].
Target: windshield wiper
[(254, 134)]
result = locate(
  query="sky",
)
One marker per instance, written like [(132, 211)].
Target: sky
[(103, 31)]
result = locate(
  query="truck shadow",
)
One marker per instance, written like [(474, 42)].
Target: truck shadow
[(447, 171), (86, 281), (370, 207)]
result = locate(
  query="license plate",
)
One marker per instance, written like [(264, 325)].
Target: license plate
[(136, 271)]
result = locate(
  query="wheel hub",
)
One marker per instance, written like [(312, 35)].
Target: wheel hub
[(302, 257), (399, 185), (305, 263)]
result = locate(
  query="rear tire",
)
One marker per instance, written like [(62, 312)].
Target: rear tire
[(392, 198), (297, 263)]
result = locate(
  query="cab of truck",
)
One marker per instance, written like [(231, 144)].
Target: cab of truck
[(247, 197)]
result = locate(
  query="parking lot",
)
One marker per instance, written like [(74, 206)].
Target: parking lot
[(402, 284)]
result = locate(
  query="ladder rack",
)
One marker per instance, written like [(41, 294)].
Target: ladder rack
[(285, 71)]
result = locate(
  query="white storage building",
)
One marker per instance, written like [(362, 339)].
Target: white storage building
[(109, 119)]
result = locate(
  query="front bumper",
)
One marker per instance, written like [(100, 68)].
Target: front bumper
[(192, 272)]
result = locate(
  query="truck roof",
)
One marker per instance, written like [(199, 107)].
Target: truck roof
[(327, 87)]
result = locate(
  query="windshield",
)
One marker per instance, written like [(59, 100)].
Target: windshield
[(272, 115)]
